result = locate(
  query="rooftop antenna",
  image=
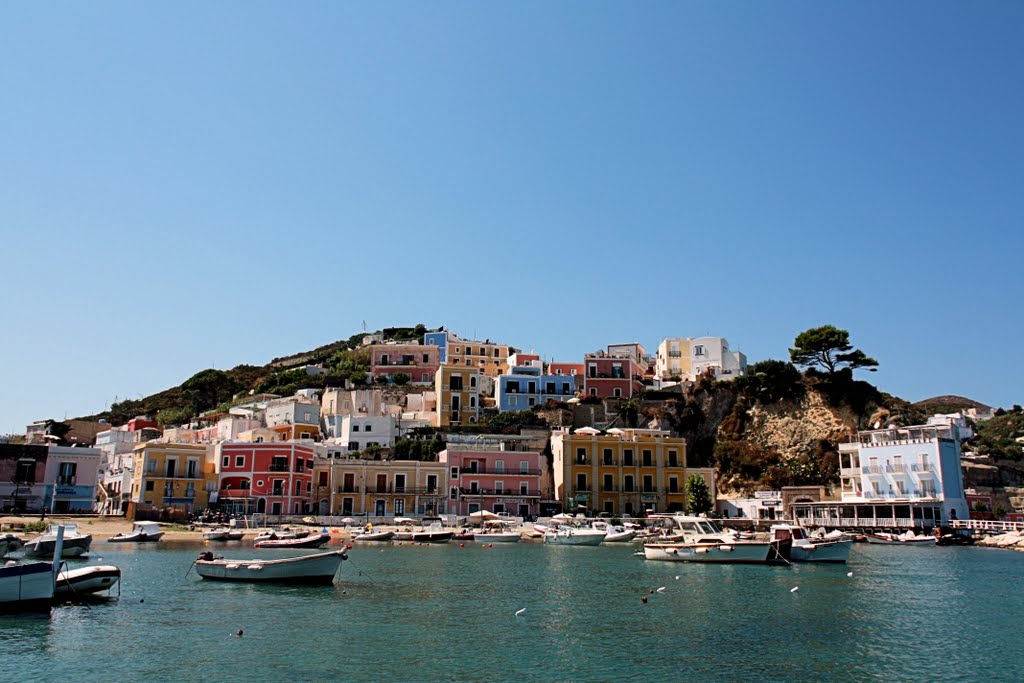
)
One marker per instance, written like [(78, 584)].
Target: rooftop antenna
[(364, 326)]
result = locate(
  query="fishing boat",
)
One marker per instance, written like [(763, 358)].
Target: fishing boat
[(142, 532), (75, 544), (320, 568), (28, 586), (87, 580), (812, 548), (573, 535), (304, 542), (906, 538), (696, 539)]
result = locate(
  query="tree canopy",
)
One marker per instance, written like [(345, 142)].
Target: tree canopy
[(698, 498), (828, 347)]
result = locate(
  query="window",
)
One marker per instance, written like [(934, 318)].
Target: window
[(225, 461), (353, 446), (581, 482), (472, 401), (399, 483), (593, 392), (627, 484), (581, 456), (499, 487), (304, 435), (239, 461), (454, 493), (549, 387), (698, 350), (399, 506), (524, 488), (608, 485), (426, 358), (673, 485), (591, 370), (648, 458), (524, 467), (648, 483), (193, 466), (368, 428), (472, 381), (455, 473), (384, 359), (608, 457), (149, 486), (627, 457), (355, 428), (673, 459), (617, 392), (499, 466)]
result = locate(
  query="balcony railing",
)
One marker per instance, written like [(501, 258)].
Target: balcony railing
[(401, 490), (277, 467), (530, 493), (506, 472), (67, 481)]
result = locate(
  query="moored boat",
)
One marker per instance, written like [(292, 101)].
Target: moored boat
[(75, 544), (696, 539), (906, 538), (9, 543), (142, 532), (86, 580), (571, 535), (809, 548), (614, 533), (29, 585), (374, 536), (320, 568), (304, 542), (497, 532)]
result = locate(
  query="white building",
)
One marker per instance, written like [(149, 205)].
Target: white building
[(686, 358), (905, 477), (115, 470), (356, 432)]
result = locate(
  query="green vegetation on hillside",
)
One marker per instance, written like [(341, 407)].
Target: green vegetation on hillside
[(997, 437)]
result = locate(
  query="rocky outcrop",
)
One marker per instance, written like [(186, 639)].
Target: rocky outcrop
[(794, 430), (1013, 540)]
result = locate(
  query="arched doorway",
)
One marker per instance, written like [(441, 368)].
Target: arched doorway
[(261, 505)]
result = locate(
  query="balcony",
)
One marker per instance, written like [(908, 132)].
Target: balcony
[(609, 489), (504, 472), (67, 481), (871, 469), (609, 462), (924, 468), (530, 493), (277, 467), (402, 490), (277, 492)]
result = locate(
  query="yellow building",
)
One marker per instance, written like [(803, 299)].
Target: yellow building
[(623, 472), (379, 488), (458, 395), (170, 475), (490, 358)]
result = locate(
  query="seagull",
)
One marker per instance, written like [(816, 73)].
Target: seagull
[(795, 589), (661, 590), (520, 611)]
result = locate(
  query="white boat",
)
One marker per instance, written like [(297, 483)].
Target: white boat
[(29, 585), (906, 538), (571, 535), (304, 542), (76, 543), (86, 580), (811, 548), (142, 532), (374, 536), (615, 534), (435, 533), (278, 534), (696, 539), (497, 532), (218, 534), (320, 568)]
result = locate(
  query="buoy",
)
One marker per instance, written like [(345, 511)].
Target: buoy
[(520, 611), (849, 573), (794, 589), (240, 632), (651, 591), (141, 600), (490, 545), (462, 545), (643, 599), (677, 578)]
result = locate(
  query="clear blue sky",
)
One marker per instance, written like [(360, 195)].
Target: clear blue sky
[(208, 184)]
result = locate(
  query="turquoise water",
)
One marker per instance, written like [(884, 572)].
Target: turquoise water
[(443, 612)]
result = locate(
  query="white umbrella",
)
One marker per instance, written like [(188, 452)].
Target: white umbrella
[(348, 520), (563, 517), (482, 514)]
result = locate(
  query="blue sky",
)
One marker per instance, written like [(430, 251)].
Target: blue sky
[(198, 184)]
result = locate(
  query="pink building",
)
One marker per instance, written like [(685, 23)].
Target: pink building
[(612, 376), (492, 472), (571, 369), (418, 361), (273, 478)]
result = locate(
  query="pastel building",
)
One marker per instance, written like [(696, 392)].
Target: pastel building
[(293, 418), (489, 357), (571, 369), (269, 478), (168, 475), (906, 477), (22, 477), (356, 432), (618, 372), (458, 395), (419, 361), (71, 477), (527, 386), (492, 472), (379, 488), (686, 358), (623, 471)]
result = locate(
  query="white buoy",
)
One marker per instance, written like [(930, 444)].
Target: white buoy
[(520, 611), (794, 589), (849, 573), (677, 578), (661, 590)]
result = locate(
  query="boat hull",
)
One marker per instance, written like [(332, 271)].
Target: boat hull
[(497, 538), (575, 538), (319, 569), (832, 551), (381, 537), (73, 547), (624, 537), (135, 538), (741, 552), (432, 536), (87, 580), (307, 542), (896, 540), (26, 586)]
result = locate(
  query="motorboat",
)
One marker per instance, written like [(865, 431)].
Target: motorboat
[(142, 532), (435, 533), (615, 533), (218, 534), (304, 542), (497, 532), (29, 585), (75, 544), (9, 543), (697, 539), (374, 536), (319, 568), (280, 534), (811, 548), (906, 538), (86, 580), (573, 535)]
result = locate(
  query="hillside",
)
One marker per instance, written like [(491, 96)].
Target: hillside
[(950, 404)]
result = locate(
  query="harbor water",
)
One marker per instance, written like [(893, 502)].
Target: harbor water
[(448, 613)]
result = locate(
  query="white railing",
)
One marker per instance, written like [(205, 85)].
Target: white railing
[(986, 525)]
